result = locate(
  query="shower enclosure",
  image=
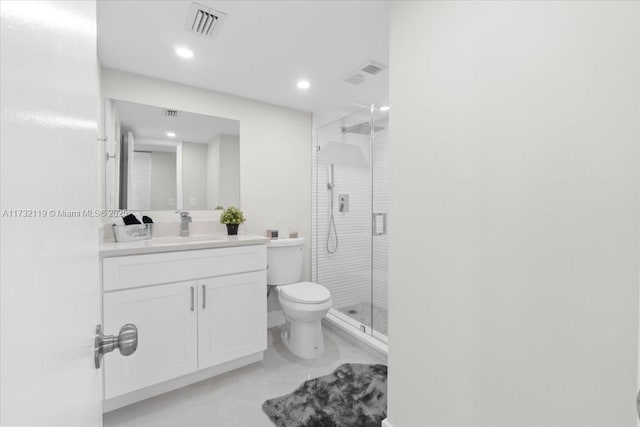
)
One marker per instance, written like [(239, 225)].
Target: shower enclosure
[(351, 202)]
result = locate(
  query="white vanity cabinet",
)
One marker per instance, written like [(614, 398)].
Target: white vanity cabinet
[(197, 311), (228, 331), (168, 335)]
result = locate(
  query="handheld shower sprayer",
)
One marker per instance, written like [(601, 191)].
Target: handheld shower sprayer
[(330, 184), (332, 222)]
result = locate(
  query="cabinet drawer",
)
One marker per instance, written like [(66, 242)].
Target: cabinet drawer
[(142, 270)]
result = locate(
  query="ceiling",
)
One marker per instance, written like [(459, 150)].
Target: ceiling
[(262, 49), (147, 122)]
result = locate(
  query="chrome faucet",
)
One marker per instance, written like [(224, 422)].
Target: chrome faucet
[(185, 219)]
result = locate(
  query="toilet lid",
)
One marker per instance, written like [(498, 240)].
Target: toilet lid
[(305, 292)]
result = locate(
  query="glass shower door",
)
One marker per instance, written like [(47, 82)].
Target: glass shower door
[(343, 217)]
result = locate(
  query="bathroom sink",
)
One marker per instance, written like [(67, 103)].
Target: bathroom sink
[(187, 239)]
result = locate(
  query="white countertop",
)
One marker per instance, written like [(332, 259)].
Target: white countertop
[(177, 243)]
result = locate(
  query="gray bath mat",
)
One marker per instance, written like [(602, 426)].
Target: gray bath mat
[(354, 395)]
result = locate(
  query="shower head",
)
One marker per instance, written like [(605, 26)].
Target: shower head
[(363, 128), (343, 154)]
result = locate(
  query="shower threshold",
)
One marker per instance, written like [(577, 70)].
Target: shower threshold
[(372, 339)]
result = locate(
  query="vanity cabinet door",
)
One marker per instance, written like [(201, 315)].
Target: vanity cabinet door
[(166, 317), (232, 317)]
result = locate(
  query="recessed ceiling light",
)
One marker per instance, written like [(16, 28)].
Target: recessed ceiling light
[(183, 52), (303, 84), (384, 108), (171, 134)]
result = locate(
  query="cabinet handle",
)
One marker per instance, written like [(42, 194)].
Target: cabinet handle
[(204, 297), (192, 299)]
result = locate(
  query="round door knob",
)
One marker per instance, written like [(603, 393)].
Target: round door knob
[(128, 339)]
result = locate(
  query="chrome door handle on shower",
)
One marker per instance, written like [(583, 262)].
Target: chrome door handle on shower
[(382, 216)]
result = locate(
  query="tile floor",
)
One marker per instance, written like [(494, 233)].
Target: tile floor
[(235, 399), (362, 313)]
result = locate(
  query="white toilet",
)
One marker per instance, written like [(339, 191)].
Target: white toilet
[(304, 304)]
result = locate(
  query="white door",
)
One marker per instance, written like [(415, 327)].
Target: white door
[(232, 319), (49, 293), (167, 323)]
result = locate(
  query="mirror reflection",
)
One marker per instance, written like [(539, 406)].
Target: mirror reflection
[(169, 160)]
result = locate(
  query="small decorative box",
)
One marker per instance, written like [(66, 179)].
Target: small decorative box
[(131, 233)]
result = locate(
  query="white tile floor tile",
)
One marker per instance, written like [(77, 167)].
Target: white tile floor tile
[(235, 399)]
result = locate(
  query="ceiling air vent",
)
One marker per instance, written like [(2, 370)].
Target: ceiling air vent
[(171, 113), (204, 21), (358, 76), (372, 67)]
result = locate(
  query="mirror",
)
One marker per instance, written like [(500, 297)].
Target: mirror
[(165, 159)]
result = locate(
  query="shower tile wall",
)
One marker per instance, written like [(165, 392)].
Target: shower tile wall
[(348, 272)]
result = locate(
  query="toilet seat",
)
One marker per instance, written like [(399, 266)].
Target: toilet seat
[(305, 293)]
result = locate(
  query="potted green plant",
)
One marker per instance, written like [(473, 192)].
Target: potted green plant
[(232, 217)]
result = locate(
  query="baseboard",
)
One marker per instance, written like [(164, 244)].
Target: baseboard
[(386, 423), (275, 318), (127, 399)]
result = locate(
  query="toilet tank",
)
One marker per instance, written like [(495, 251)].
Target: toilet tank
[(284, 261)]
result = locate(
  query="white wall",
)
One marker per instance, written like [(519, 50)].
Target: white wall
[(516, 213)]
